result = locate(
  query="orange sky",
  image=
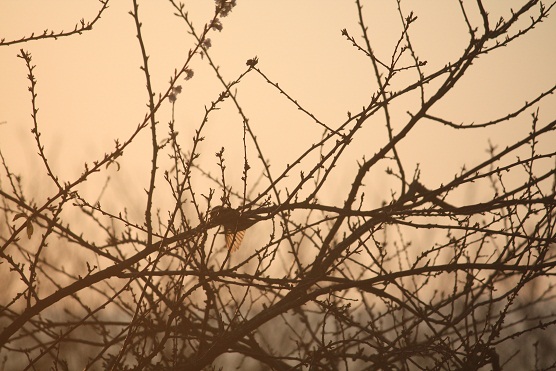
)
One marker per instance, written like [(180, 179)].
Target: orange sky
[(91, 90)]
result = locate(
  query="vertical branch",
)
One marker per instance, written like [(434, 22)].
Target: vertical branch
[(27, 57), (382, 93), (154, 160)]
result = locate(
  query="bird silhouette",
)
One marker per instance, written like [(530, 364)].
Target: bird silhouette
[(235, 224)]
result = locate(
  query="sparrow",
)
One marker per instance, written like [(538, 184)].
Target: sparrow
[(234, 225)]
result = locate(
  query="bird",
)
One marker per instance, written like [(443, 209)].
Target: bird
[(235, 224)]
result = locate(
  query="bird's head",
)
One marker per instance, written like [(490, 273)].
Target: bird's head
[(222, 215)]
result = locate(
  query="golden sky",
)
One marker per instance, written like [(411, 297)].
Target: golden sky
[(91, 90)]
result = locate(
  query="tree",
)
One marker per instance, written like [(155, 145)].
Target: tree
[(353, 258)]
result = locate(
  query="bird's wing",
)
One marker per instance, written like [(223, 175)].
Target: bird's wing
[(233, 239)]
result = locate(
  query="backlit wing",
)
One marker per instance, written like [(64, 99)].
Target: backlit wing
[(233, 239)]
